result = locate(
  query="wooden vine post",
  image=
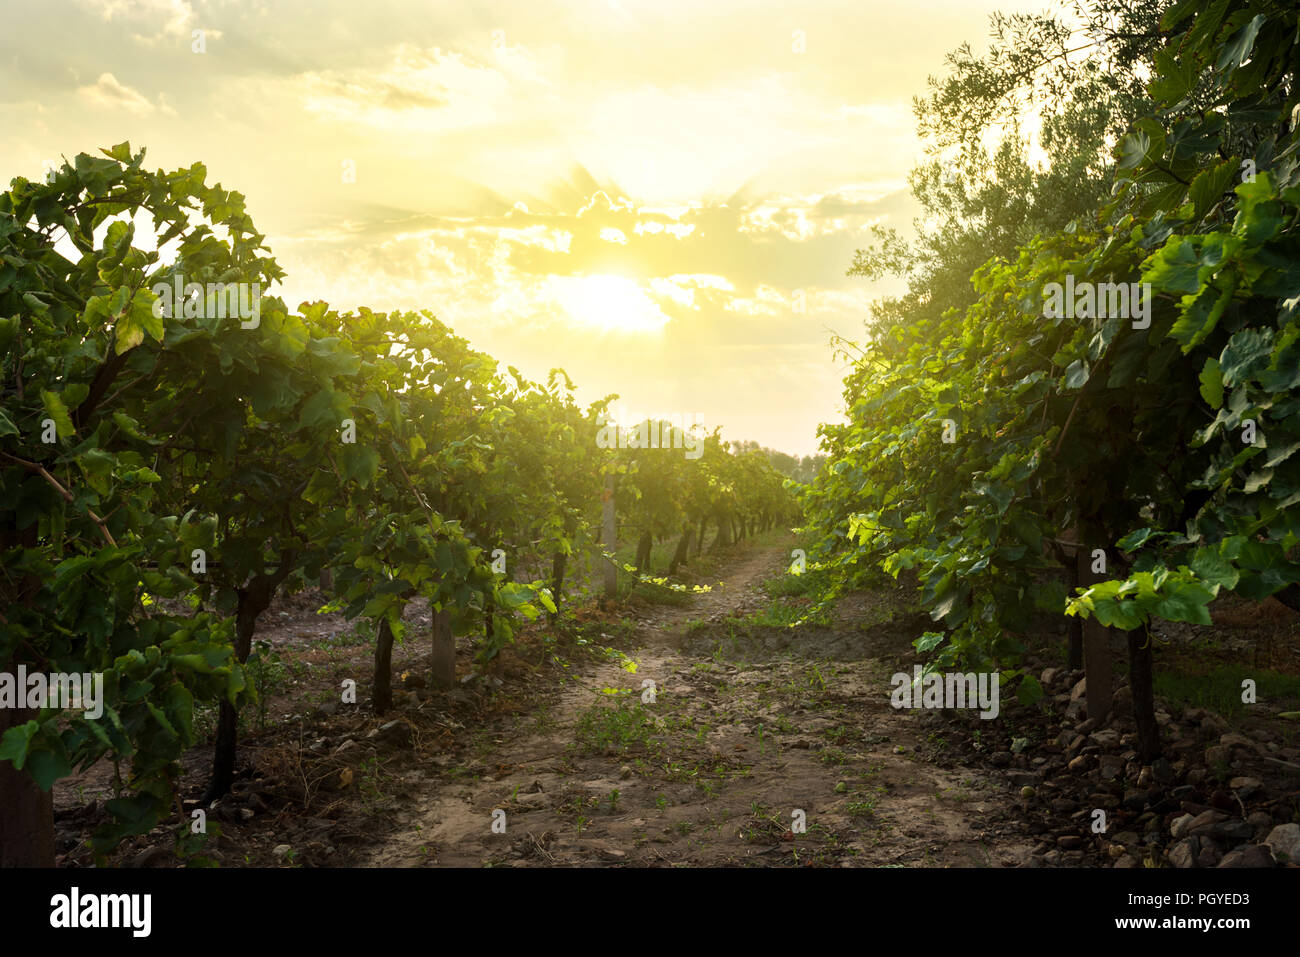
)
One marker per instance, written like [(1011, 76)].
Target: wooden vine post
[(609, 538), (442, 670), (1096, 645)]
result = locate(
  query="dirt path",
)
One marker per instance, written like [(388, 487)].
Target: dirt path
[(744, 739)]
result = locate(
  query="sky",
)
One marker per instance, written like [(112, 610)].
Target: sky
[(661, 198)]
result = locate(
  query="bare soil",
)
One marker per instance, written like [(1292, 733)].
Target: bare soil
[(756, 748), (745, 731), (698, 730)]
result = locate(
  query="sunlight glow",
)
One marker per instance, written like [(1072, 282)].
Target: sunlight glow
[(610, 303)]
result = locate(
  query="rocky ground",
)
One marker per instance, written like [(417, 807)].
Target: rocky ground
[(1222, 798)]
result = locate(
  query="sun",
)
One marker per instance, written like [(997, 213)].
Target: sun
[(608, 302)]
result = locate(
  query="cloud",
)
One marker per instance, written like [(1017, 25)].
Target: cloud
[(419, 90), (176, 17), (601, 203), (653, 227), (681, 289), (107, 92), (333, 93), (589, 269)]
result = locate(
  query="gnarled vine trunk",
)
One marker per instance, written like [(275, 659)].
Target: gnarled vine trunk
[(382, 697), (1141, 683), (643, 548), (254, 599), (683, 547), (26, 812)]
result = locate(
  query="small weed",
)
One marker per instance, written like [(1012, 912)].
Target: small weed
[(622, 726), (833, 756), (865, 808)]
